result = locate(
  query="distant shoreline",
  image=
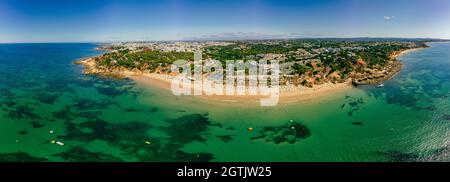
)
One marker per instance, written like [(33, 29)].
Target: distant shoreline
[(394, 67), (288, 93)]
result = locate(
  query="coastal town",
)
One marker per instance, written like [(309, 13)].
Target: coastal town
[(304, 63), (181, 88)]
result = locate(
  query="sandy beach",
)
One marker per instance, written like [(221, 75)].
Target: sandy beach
[(287, 93), (406, 52)]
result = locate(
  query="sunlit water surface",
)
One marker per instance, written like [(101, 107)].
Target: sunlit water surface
[(46, 101)]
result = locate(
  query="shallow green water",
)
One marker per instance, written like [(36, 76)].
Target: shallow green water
[(101, 119)]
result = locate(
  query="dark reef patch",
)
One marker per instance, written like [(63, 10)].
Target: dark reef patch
[(230, 128), (397, 156), (225, 138), (150, 109), (353, 105), (430, 108), (46, 97), (8, 103), (187, 128), (358, 123), (200, 157), (59, 86), (20, 157), (64, 114), (89, 104), (168, 152), (292, 133), (86, 108), (133, 110), (79, 154), (89, 115), (352, 111), (446, 117), (111, 133), (108, 86), (21, 112), (67, 114), (111, 91), (6, 93), (36, 124), (133, 140)]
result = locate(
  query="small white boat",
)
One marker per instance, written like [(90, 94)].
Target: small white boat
[(60, 143), (380, 85)]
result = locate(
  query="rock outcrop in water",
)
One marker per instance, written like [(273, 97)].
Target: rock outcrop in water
[(377, 76), (291, 133)]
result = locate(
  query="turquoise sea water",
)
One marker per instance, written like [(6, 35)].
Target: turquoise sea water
[(45, 99)]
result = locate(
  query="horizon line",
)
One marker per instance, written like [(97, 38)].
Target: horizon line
[(223, 40)]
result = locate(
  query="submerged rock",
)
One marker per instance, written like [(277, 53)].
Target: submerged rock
[(358, 123), (21, 112), (132, 138), (292, 133), (446, 117), (89, 104), (64, 114), (80, 154), (111, 91), (187, 128), (47, 98), (149, 109), (397, 156), (230, 128), (225, 138), (109, 132), (354, 104), (20, 157), (36, 124)]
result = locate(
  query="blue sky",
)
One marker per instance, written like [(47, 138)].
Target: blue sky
[(122, 20)]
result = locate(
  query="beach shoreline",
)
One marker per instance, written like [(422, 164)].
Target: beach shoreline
[(287, 93), (402, 53)]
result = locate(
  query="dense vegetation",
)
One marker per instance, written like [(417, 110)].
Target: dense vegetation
[(337, 55), (146, 59), (313, 59)]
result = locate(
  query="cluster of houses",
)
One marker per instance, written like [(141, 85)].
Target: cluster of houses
[(165, 46)]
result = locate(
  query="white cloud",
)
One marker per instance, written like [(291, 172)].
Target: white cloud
[(389, 17)]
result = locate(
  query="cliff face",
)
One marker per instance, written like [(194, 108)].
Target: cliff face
[(91, 67), (374, 76)]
